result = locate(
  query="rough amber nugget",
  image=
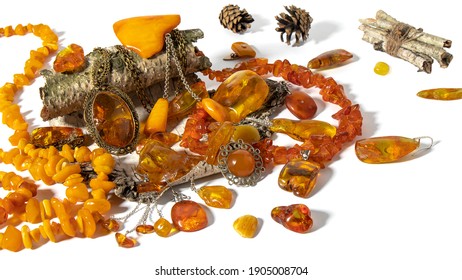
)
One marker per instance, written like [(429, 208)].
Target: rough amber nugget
[(246, 226), (244, 92), (303, 129), (145, 34), (57, 136), (70, 59), (330, 59), (299, 176), (216, 196), (188, 216), (301, 105), (295, 217), (441, 93), (384, 149)]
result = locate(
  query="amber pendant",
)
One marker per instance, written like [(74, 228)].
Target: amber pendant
[(387, 149), (112, 120), (295, 217), (188, 216), (299, 176)]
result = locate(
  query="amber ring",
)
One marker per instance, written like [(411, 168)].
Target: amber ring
[(240, 163), (111, 119)]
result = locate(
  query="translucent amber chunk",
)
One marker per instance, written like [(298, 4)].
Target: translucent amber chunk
[(295, 217), (217, 111), (384, 149), (145, 229), (182, 104), (299, 176), (70, 59), (441, 93), (303, 129), (57, 136), (157, 119), (219, 137), (330, 59), (163, 227), (111, 225), (244, 92), (124, 241), (246, 226), (145, 34), (188, 216), (216, 196), (301, 105)]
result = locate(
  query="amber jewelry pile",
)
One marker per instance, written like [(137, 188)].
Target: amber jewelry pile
[(80, 212)]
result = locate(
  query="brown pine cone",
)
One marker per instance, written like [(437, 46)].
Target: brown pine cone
[(234, 19), (298, 21)]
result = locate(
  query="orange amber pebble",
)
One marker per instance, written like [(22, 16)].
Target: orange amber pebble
[(145, 229), (242, 49), (12, 239), (384, 149), (157, 119), (329, 59), (241, 163), (163, 227), (301, 105), (295, 217), (216, 196), (189, 216), (145, 34), (57, 136), (124, 241), (303, 129), (299, 176), (71, 59)]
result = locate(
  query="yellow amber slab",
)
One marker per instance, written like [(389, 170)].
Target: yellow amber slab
[(384, 149), (145, 34)]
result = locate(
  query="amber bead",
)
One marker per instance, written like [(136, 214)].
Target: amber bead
[(77, 193), (295, 217), (188, 216), (330, 59), (124, 241), (441, 93), (303, 129), (299, 176), (33, 211), (70, 59), (97, 205), (157, 119), (247, 133), (26, 238), (246, 226), (12, 239), (145, 34), (216, 196), (301, 105), (145, 229), (3, 215), (57, 136), (381, 68), (163, 227), (111, 225), (87, 222), (384, 149), (241, 163)]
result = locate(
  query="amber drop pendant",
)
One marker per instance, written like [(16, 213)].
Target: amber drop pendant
[(188, 216), (295, 217), (111, 119), (385, 149), (299, 176)]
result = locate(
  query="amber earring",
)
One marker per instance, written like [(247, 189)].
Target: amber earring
[(388, 149)]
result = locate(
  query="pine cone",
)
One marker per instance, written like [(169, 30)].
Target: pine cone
[(234, 19), (298, 21)]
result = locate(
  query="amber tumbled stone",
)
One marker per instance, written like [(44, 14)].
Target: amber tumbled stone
[(189, 216), (241, 163), (301, 105)]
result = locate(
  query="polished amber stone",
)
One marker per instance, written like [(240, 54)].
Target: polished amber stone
[(57, 136), (303, 129), (241, 163), (145, 229), (441, 93), (295, 217), (299, 176), (384, 149), (217, 111), (12, 239), (124, 241), (157, 119), (242, 49), (216, 196), (330, 59), (32, 211), (114, 120), (70, 59), (111, 225), (301, 105), (381, 68), (243, 92), (189, 216), (247, 133), (246, 226), (145, 34), (163, 227)]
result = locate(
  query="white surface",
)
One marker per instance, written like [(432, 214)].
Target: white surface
[(392, 221)]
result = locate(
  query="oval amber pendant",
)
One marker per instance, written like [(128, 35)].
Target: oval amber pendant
[(299, 176), (295, 217), (112, 120), (385, 149), (189, 216)]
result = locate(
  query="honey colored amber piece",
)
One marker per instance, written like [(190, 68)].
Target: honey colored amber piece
[(241, 163), (145, 34), (246, 226), (381, 68), (301, 105), (217, 111), (183, 103), (216, 196), (97, 205), (124, 241), (218, 138), (145, 229), (330, 59), (188, 216), (157, 119), (70, 59), (247, 133), (12, 239), (57, 136), (241, 50), (77, 193), (163, 227), (33, 211), (441, 93), (299, 176), (111, 225), (88, 222), (384, 149), (295, 217), (26, 238), (3, 215), (243, 92), (303, 129)]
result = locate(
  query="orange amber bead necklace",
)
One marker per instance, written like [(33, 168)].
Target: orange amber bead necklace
[(55, 218)]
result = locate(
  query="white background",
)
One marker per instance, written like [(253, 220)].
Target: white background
[(390, 221)]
